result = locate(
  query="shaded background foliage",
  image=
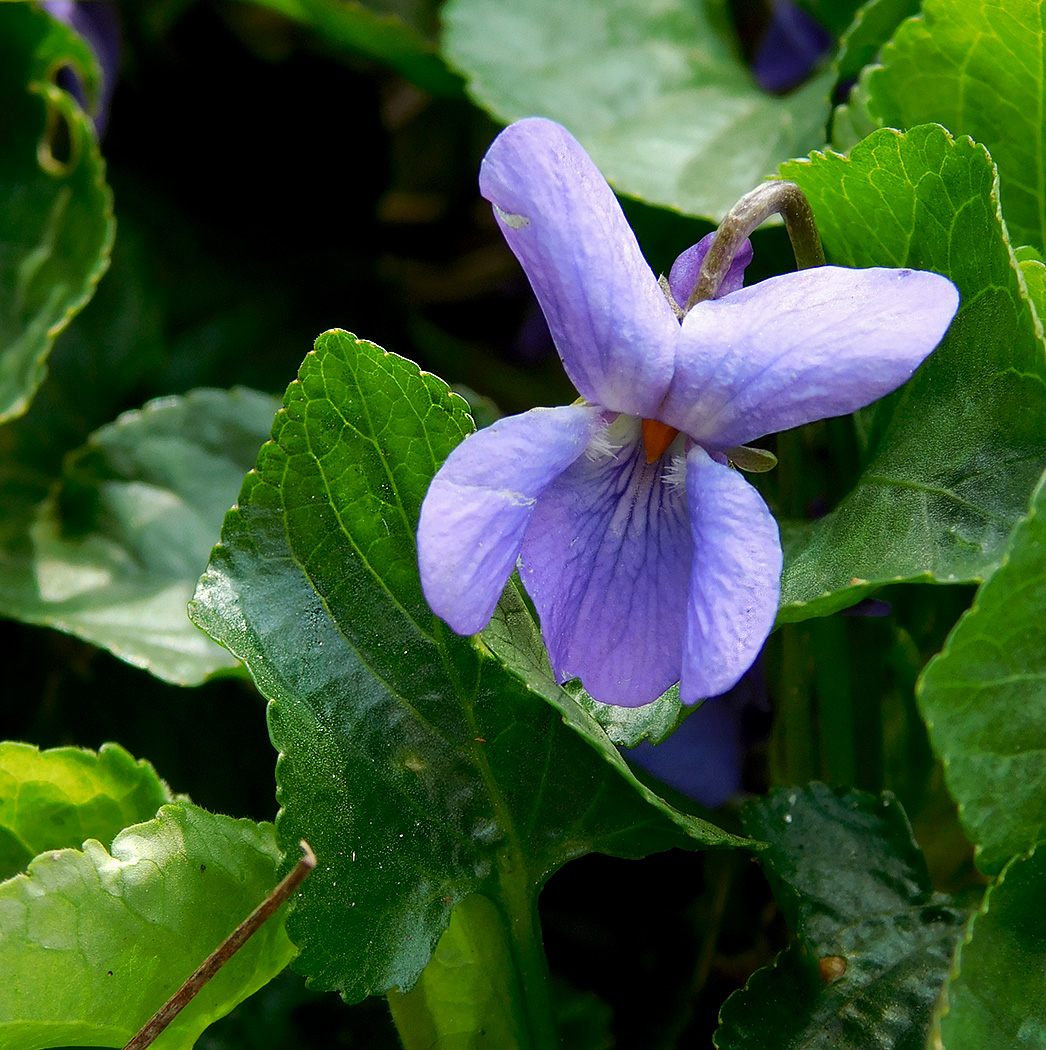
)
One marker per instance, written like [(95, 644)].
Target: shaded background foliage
[(270, 184)]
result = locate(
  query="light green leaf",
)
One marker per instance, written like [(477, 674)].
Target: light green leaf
[(977, 67), (95, 943), (468, 996), (414, 762), (57, 224), (656, 94), (115, 553), (995, 995), (58, 798), (951, 458), (984, 700), (874, 941), (349, 26)]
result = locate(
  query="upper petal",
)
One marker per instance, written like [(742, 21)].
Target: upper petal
[(607, 560), (736, 581), (610, 321), (480, 503), (808, 345)]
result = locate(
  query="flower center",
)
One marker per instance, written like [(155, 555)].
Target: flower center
[(657, 436)]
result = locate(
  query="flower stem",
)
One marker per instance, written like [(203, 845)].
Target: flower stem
[(772, 198), (488, 978)]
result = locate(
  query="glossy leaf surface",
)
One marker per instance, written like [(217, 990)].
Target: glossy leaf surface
[(414, 762), (627, 81), (57, 219), (96, 942), (58, 798), (952, 458), (874, 941)]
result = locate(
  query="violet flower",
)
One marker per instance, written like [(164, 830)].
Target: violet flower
[(649, 559)]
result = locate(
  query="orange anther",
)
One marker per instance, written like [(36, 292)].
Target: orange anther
[(657, 436)]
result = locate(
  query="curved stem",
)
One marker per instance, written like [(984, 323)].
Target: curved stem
[(772, 198)]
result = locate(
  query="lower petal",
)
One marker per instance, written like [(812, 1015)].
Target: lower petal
[(607, 559), (480, 503), (736, 581)]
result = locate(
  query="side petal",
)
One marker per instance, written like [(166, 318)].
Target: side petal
[(736, 580), (480, 503), (687, 267), (606, 560), (808, 345), (610, 321)]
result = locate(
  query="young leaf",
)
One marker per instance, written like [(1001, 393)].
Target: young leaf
[(874, 941), (58, 798), (115, 553), (95, 943), (994, 997), (954, 455), (58, 222), (976, 67), (418, 767), (657, 95), (984, 700)]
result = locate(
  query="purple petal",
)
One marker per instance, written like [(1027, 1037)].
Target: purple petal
[(808, 345), (791, 48), (736, 580), (480, 503), (688, 265), (702, 758), (607, 560), (609, 319), (98, 22)]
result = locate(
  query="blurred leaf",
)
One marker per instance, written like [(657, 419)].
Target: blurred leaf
[(874, 941), (94, 944), (834, 15), (873, 24), (984, 700), (417, 766), (385, 37), (974, 66), (656, 94), (953, 456), (58, 798), (115, 553), (57, 218), (994, 997)]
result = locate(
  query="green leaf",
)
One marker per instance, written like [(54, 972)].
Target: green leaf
[(58, 798), (346, 25), (834, 15), (57, 218), (413, 761), (952, 457), (984, 700), (468, 995), (656, 95), (873, 25), (95, 943), (977, 67), (115, 553), (853, 884), (994, 998)]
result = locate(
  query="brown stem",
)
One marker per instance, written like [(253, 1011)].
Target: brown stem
[(772, 198), (224, 952)]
